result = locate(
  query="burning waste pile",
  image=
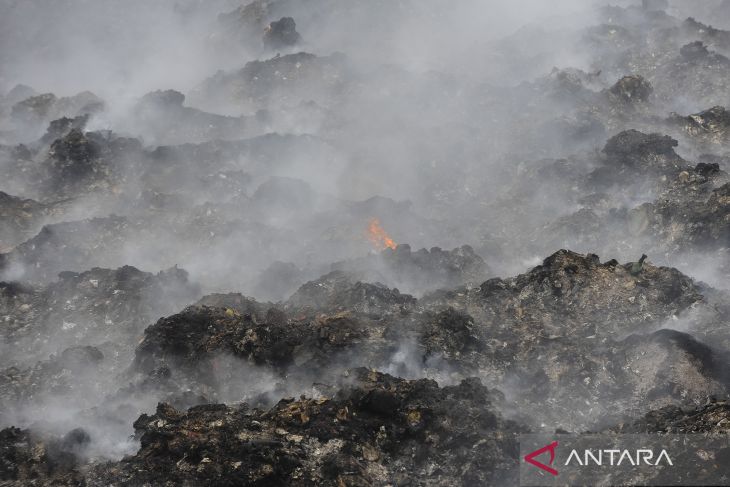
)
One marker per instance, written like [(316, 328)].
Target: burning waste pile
[(349, 244)]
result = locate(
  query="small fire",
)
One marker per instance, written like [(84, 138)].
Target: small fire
[(378, 237)]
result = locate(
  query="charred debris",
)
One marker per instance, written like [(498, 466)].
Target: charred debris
[(296, 270)]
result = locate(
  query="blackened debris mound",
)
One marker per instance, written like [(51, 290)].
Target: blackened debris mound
[(698, 221), (72, 155), (711, 125), (30, 459), (82, 162), (375, 430), (707, 169), (636, 159), (575, 309), (571, 294), (61, 127), (571, 308), (454, 334), (632, 146), (194, 344), (694, 51), (281, 33), (632, 88), (711, 417)]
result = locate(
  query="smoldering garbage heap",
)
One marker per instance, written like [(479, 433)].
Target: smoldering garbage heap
[(355, 425), (528, 331), (415, 427), (400, 367)]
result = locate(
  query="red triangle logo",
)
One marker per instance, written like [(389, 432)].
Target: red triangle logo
[(530, 458)]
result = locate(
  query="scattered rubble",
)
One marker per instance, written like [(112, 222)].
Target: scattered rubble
[(295, 187)]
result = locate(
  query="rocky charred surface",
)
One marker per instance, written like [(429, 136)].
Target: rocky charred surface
[(29, 459), (529, 330), (533, 328), (375, 429), (712, 417), (294, 185), (305, 337), (632, 154)]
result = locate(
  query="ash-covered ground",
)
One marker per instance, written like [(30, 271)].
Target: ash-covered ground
[(345, 243)]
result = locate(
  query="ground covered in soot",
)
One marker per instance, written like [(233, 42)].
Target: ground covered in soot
[(351, 243)]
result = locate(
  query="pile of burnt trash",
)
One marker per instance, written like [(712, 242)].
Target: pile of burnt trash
[(299, 252)]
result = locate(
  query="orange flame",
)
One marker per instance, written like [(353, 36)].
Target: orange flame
[(378, 237)]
